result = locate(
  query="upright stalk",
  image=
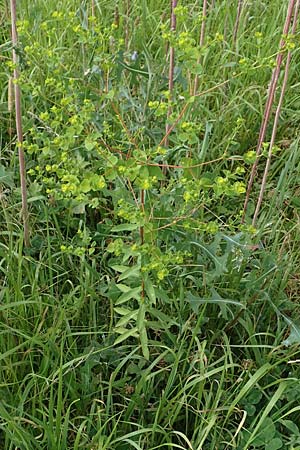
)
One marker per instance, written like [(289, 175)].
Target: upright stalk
[(269, 104), (171, 65), (127, 15), (237, 21), (18, 114), (201, 41), (276, 119)]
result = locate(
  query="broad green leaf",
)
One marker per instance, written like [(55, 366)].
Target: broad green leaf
[(133, 272), (122, 311), (144, 343), (125, 227), (123, 287), (150, 291), (119, 268), (133, 293), (125, 334), (274, 444), (266, 433), (126, 319), (294, 337), (197, 301), (141, 316), (291, 426), (6, 177), (219, 261)]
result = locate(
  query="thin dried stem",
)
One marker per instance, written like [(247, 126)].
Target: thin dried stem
[(171, 66), (127, 14), (270, 100), (276, 119), (201, 42), (18, 114), (237, 21)]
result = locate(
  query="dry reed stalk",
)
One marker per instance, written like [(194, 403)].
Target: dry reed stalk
[(269, 103), (18, 115), (276, 119), (171, 66), (127, 14), (237, 21), (201, 42)]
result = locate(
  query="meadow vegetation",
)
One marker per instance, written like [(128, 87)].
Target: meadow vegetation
[(148, 312)]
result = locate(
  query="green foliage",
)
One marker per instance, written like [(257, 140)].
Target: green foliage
[(145, 315)]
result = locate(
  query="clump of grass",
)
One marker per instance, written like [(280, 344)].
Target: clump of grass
[(18, 115), (144, 315)]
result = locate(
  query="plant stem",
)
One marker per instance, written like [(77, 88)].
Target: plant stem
[(268, 107), (237, 21), (276, 119), (127, 13), (201, 42), (18, 113), (171, 66)]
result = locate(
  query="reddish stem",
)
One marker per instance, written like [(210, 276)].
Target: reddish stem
[(270, 100), (18, 113)]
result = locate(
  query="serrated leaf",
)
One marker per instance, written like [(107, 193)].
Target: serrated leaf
[(219, 261)]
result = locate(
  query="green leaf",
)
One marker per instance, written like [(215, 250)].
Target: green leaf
[(122, 311), (79, 209), (219, 261), (144, 343), (133, 272), (291, 426), (294, 337), (133, 293), (155, 171), (125, 334), (125, 227), (150, 291), (266, 433), (123, 287), (141, 317), (119, 268), (197, 301), (274, 444), (6, 177), (126, 319), (85, 186)]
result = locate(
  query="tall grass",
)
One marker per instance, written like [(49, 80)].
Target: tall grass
[(222, 365)]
